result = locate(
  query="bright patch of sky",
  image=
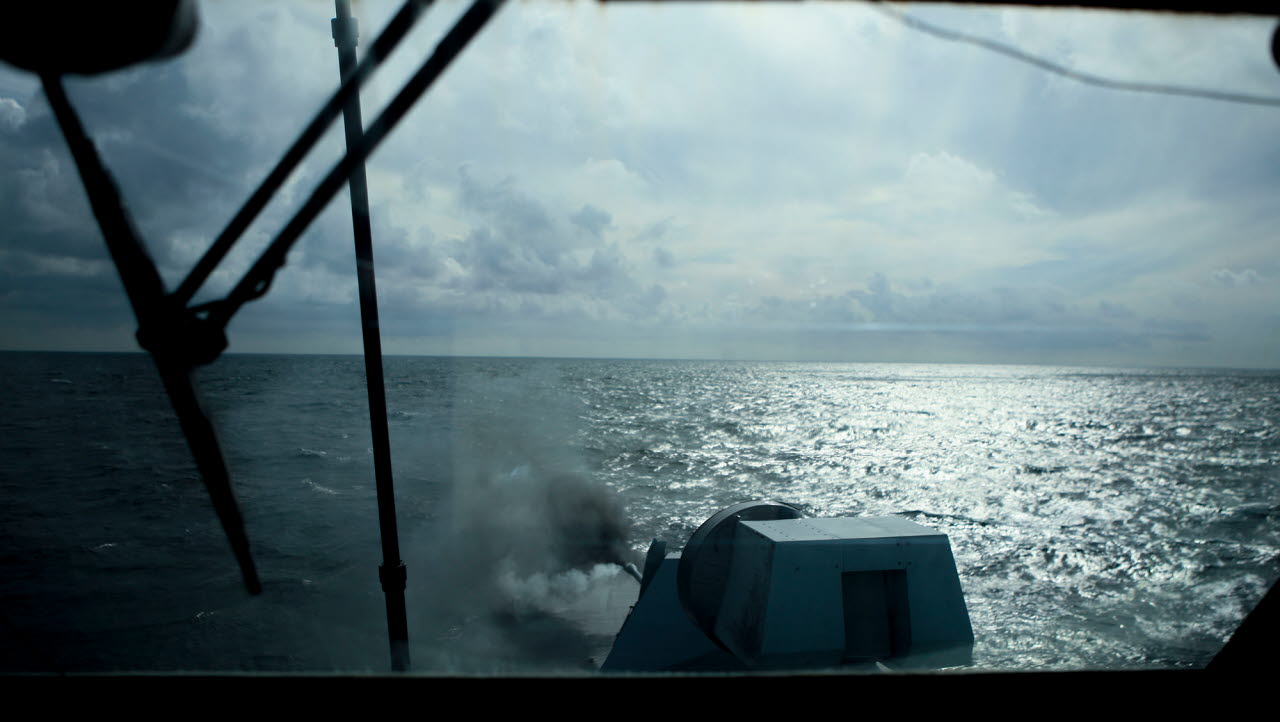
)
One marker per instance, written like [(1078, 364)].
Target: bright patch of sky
[(718, 180)]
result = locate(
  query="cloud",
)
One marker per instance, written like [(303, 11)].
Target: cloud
[(1237, 279), (881, 303), (12, 114), (654, 231), (689, 175), (1164, 48), (592, 220), (518, 246), (663, 257)]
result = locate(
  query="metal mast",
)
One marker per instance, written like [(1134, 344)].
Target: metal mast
[(392, 570)]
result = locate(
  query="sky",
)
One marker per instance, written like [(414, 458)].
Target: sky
[(723, 180)]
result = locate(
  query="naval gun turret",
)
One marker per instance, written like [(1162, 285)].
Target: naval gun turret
[(761, 586)]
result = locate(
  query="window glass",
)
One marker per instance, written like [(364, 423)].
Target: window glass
[(637, 263)]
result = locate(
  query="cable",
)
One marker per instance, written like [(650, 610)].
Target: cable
[(382, 47), (257, 281), (142, 282), (1087, 78), (175, 346)]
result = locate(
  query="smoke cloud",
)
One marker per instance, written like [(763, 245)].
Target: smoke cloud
[(525, 541)]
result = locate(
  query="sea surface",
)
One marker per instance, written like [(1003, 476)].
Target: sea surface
[(1100, 518)]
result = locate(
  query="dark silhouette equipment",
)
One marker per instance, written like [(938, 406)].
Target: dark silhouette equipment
[(56, 41)]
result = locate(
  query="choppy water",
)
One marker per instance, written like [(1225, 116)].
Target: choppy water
[(1100, 518)]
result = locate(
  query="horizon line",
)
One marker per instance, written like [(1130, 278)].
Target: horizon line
[(696, 359)]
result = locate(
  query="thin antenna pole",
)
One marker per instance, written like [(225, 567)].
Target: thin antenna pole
[(392, 570)]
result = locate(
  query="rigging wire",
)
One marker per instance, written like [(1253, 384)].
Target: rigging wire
[(257, 280), (175, 343), (382, 47), (1052, 67)]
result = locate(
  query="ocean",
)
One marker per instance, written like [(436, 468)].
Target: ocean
[(1100, 518)]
